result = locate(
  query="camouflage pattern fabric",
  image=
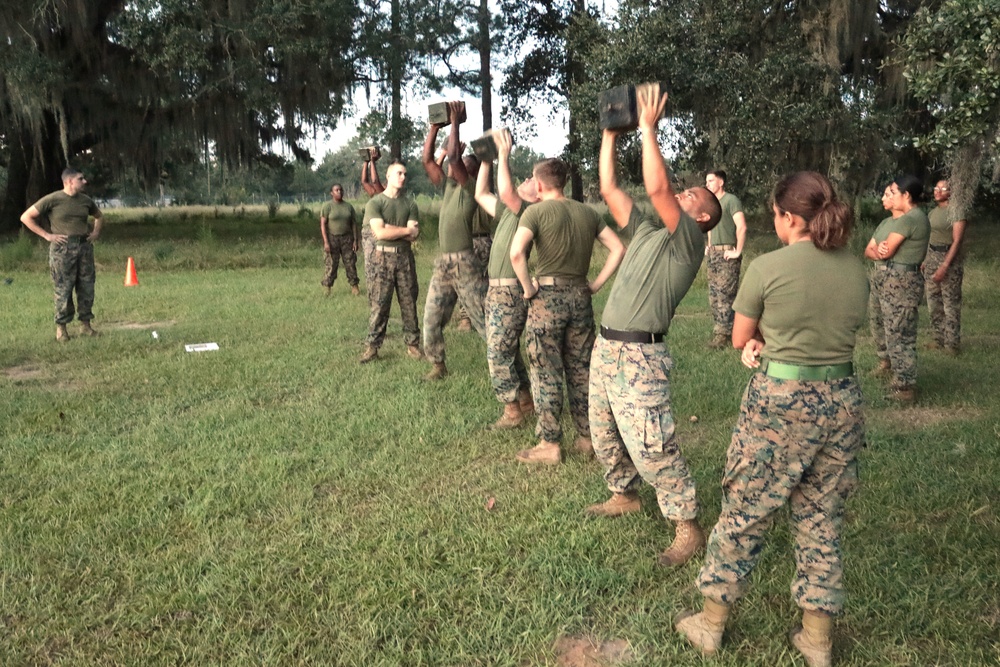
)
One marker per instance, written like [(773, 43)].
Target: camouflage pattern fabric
[(723, 283), (632, 426), (876, 278), (795, 442), (341, 246), (393, 272), (899, 298), (506, 314), (559, 337), (457, 277), (71, 265), (368, 246), (944, 299), (481, 246)]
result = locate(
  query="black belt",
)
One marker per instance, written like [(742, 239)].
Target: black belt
[(77, 237), (940, 248), (914, 268), (631, 336), (480, 236)]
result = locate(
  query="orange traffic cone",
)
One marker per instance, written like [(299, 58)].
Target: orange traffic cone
[(131, 280)]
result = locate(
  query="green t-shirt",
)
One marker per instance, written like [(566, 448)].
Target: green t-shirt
[(655, 274), (457, 210), (564, 231), (394, 212), (809, 303), (68, 215), (880, 234), (941, 225), (503, 238), (915, 229), (482, 222), (724, 233), (340, 217)]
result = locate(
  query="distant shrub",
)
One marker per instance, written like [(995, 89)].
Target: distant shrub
[(305, 212), (272, 208), (163, 251)]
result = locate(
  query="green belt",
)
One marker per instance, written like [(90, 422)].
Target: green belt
[(782, 371)]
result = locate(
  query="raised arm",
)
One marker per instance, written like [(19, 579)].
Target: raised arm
[(365, 183), (619, 203), (654, 170), (433, 169), (455, 145), (505, 184), (616, 251), (375, 181), (486, 199)]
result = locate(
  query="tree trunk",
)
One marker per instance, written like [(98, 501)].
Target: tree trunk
[(396, 78), (574, 77), (485, 79), (27, 180)]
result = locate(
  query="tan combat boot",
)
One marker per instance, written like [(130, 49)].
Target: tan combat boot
[(884, 368), (689, 539), (512, 417), (439, 372), (903, 394), (527, 404), (813, 638), (88, 330), (584, 446), (618, 504), (414, 352), (464, 324), (544, 452), (718, 342), (704, 629), (370, 354), (61, 334)]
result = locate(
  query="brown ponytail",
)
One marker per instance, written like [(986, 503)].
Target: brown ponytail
[(810, 195)]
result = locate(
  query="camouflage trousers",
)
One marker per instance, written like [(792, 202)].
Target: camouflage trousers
[(481, 245), (341, 247), (796, 443), (899, 294), (71, 265), (393, 272), (457, 277), (632, 426), (506, 314), (944, 299), (559, 337), (876, 278), (368, 246), (723, 283)]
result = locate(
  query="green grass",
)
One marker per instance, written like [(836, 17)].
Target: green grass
[(276, 503)]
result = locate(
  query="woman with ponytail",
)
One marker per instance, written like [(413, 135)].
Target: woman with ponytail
[(898, 247), (801, 423)]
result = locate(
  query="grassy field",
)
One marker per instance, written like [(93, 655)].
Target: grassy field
[(275, 503)]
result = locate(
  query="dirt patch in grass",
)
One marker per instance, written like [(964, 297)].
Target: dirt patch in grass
[(24, 372), (133, 326), (585, 652), (916, 418)]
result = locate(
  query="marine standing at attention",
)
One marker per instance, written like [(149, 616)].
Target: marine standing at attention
[(71, 249), (631, 422), (458, 275), (801, 423), (725, 259), (944, 268), (559, 333), (341, 233), (394, 221), (506, 311)]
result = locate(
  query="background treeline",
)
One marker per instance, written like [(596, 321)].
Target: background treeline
[(202, 100)]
